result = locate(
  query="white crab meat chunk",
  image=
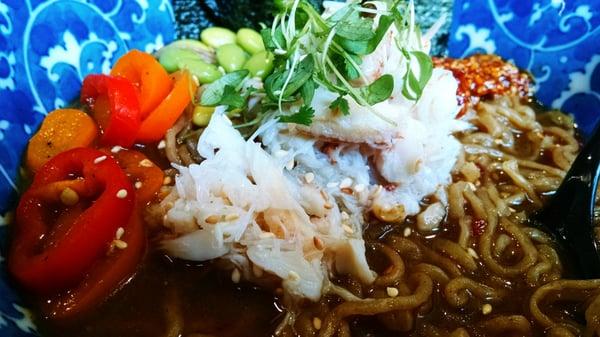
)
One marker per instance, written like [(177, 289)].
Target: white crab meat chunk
[(240, 204)]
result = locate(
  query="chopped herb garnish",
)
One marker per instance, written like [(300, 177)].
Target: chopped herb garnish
[(416, 77), (217, 93), (304, 116), (380, 90), (340, 104), (312, 51)]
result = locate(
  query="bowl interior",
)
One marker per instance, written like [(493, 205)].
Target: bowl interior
[(43, 61)]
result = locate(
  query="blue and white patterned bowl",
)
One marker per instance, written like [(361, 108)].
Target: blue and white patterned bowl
[(47, 47)]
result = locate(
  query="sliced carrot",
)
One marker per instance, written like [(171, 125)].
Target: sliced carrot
[(61, 130), (147, 75), (168, 111)]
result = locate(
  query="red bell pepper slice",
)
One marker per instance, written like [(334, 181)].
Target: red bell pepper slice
[(104, 279), (54, 245), (115, 106), (146, 176)]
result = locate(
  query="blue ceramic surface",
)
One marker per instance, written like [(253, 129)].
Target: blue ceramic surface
[(558, 41), (47, 47)]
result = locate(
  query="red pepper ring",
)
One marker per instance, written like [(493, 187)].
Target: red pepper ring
[(53, 245), (116, 107), (104, 278), (146, 176)]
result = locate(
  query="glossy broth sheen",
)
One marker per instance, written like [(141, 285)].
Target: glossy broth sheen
[(209, 302)]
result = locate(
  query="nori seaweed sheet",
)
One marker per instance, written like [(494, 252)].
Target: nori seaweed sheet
[(194, 15)]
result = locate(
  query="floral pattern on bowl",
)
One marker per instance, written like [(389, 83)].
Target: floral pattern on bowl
[(557, 41), (46, 49)]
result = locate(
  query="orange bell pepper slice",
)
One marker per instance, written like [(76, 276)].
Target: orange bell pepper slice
[(168, 111), (147, 75)]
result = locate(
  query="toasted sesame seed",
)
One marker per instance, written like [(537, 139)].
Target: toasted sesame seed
[(122, 193), (317, 323), (293, 276), (69, 197), (472, 252), (161, 145), (167, 180), (119, 233), (486, 309), (327, 205), (99, 159), (290, 165), (232, 217), (359, 188), (138, 185), (116, 149), (146, 163), (392, 292), (348, 229), (407, 232), (236, 276), (318, 243), (120, 244), (212, 219), (309, 177), (346, 182)]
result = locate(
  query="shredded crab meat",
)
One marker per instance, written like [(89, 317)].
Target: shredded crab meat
[(239, 204), (293, 205)]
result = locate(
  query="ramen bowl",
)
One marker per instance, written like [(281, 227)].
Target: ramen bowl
[(48, 47)]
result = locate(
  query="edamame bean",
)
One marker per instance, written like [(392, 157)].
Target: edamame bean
[(250, 40), (194, 45), (202, 114), (260, 64), (173, 59), (217, 36), (205, 52), (231, 57)]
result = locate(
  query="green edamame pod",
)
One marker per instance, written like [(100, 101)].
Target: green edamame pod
[(231, 57), (260, 64), (217, 36), (173, 59), (250, 40)]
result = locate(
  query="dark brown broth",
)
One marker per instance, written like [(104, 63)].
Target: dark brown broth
[(209, 301), (212, 305)]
